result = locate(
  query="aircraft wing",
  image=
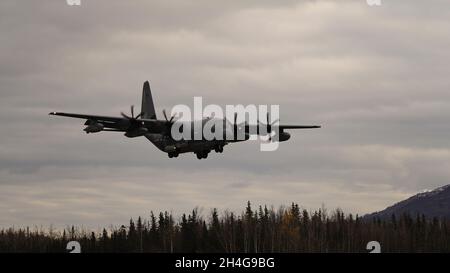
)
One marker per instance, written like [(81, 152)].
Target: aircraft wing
[(298, 126), (91, 117), (254, 128), (117, 123)]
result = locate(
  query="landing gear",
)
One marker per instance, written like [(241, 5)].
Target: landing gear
[(218, 149), (173, 154), (202, 154)]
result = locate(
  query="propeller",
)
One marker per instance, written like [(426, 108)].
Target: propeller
[(136, 127), (269, 125), (165, 116), (169, 122), (132, 114), (133, 120), (235, 125)]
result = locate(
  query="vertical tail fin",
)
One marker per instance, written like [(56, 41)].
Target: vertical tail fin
[(147, 107)]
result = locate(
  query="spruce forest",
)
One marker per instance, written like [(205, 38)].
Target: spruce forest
[(260, 230)]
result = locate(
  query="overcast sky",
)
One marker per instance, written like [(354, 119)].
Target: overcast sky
[(376, 78)]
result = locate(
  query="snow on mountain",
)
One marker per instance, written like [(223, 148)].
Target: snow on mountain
[(435, 203)]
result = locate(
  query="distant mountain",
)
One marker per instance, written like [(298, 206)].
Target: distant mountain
[(435, 203)]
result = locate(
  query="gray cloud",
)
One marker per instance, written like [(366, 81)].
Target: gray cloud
[(376, 78)]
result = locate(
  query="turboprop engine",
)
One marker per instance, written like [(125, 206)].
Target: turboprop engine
[(93, 127), (140, 131), (284, 136)]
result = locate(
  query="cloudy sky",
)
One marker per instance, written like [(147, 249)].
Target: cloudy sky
[(376, 78)]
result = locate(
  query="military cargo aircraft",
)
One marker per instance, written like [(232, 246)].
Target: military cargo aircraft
[(158, 131)]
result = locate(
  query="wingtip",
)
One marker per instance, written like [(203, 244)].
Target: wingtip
[(52, 113)]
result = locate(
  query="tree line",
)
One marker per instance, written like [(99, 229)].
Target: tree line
[(260, 230)]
